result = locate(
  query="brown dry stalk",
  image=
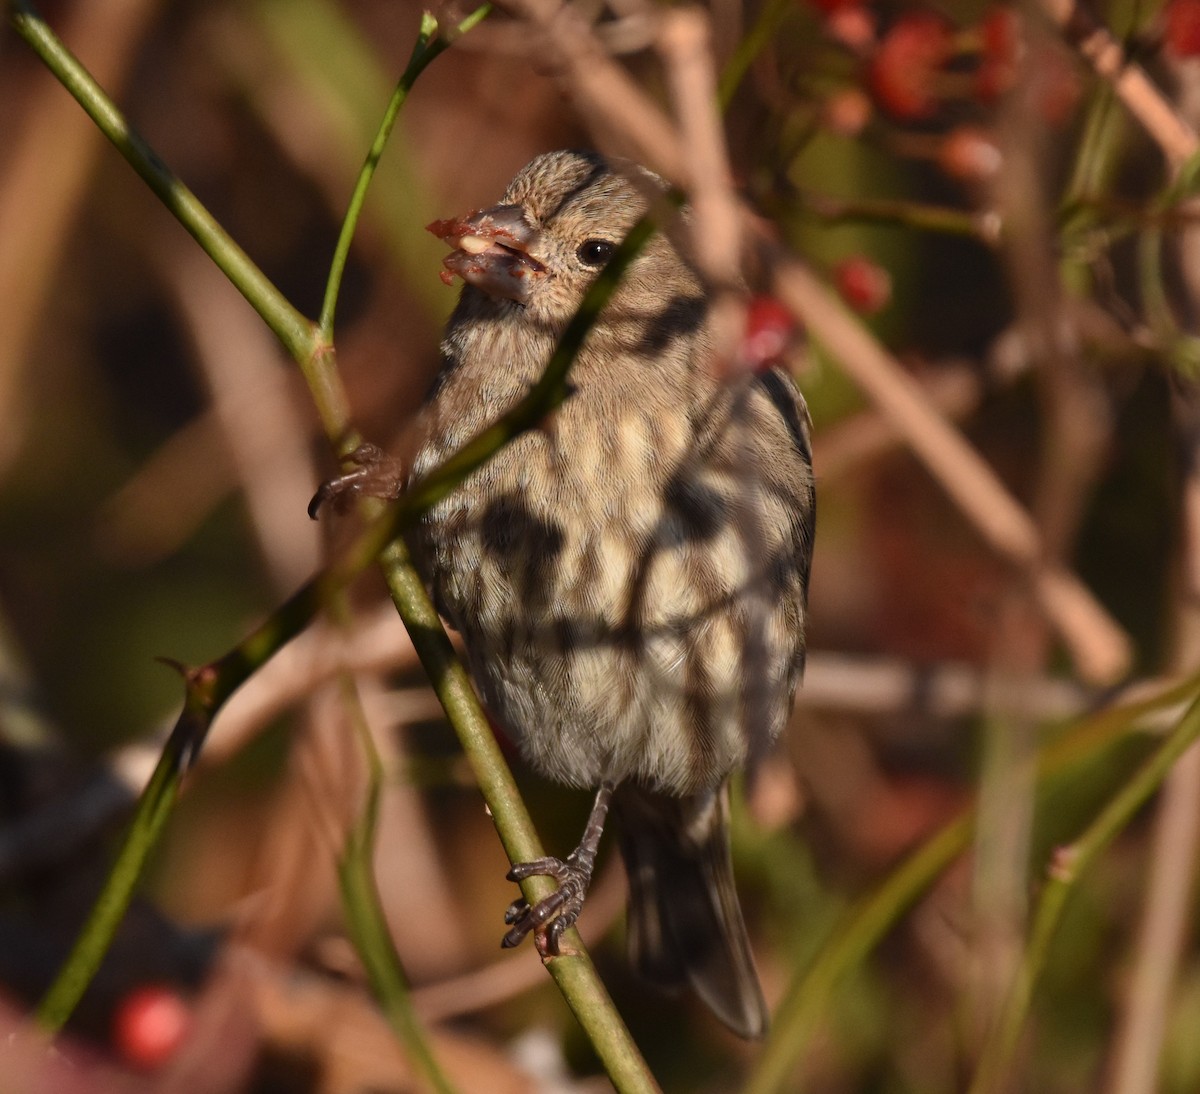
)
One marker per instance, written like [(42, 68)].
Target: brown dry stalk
[(1129, 80), (627, 121)]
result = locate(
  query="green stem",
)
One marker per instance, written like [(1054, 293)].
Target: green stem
[(573, 973), (289, 326), (910, 214), (452, 685), (1067, 866), (1099, 148), (749, 47), (207, 689), (428, 46), (153, 810), (211, 686), (365, 916), (806, 1002)]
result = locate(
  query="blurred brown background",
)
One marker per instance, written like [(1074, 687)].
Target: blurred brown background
[(157, 452)]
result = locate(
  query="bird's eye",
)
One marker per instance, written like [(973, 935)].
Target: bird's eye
[(595, 252)]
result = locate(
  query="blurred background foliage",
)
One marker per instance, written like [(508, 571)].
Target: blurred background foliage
[(157, 453)]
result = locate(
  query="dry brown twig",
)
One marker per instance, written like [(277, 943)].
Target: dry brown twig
[(349, 1041), (377, 642), (685, 45), (306, 824), (881, 687), (1073, 434), (1153, 110), (1099, 647), (1139, 1036), (625, 120), (1144, 1010), (266, 438), (954, 389), (193, 469)]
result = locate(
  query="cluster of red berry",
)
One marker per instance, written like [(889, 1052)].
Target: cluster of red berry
[(935, 87), (940, 84), (915, 64), (923, 69)]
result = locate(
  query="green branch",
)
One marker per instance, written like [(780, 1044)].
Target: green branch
[(806, 1002), (206, 691), (749, 46), (1067, 865), (901, 213), (429, 45), (293, 329), (209, 687), (365, 917)]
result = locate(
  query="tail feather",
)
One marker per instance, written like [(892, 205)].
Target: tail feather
[(685, 922)]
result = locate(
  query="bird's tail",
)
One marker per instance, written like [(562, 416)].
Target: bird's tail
[(685, 923)]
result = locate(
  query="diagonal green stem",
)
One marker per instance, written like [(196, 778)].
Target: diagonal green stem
[(911, 214), (429, 45), (1067, 866), (574, 972), (769, 21), (365, 917), (207, 689), (154, 808), (210, 686), (293, 329), (806, 1002)]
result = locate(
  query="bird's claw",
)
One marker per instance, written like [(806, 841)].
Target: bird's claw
[(375, 474), (550, 917)]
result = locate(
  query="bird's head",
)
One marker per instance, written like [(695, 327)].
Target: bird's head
[(556, 227)]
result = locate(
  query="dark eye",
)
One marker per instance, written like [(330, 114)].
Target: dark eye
[(595, 252)]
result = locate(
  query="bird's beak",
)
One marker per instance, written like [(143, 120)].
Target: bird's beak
[(491, 251)]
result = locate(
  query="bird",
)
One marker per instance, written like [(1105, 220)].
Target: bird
[(630, 581)]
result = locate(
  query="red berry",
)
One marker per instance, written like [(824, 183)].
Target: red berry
[(1182, 31), (1000, 53), (863, 284), (970, 154), (1000, 31), (769, 329), (149, 1025), (905, 65), (830, 6)]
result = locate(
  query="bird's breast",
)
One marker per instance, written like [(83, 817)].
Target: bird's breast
[(610, 595)]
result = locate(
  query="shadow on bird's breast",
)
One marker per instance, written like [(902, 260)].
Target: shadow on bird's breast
[(525, 545)]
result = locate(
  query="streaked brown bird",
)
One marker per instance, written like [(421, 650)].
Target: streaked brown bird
[(631, 581)]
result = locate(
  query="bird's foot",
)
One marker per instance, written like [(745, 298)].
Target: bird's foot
[(375, 474), (551, 916)]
